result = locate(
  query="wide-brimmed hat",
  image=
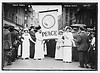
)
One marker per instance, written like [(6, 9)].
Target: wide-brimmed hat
[(32, 27), (6, 26), (60, 30), (25, 29), (68, 27), (37, 28)]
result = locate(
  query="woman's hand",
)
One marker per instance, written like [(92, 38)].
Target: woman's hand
[(33, 41), (58, 47)]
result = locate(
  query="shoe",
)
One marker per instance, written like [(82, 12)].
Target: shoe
[(35, 59), (81, 66), (69, 62), (9, 64), (89, 66), (86, 66), (65, 61), (26, 58), (39, 59), (92, 67), (23, 58), (13, 60)]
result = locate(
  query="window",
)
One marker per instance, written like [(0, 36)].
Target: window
[(6, 13), (16, 19), (13, 17)]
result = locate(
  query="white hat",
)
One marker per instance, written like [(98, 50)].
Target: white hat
[(25, 28), (68, 27), (60, 30)]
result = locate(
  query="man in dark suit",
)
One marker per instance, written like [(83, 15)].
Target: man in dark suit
[(7, 45), (14, 38), (74, 48), (82, 43)]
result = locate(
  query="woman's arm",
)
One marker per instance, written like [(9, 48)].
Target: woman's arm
[(31, 39)]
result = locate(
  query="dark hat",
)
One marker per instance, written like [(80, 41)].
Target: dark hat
[(39, 27), (32, 27), (6, 26), (11, 28)]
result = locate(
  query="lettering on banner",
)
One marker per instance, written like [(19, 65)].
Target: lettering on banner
[(49, 33)]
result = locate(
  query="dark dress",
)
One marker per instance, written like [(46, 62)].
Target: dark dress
[(51, 46), (32, 45)]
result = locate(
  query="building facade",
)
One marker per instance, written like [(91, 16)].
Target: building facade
[(18, 15), (80, 13), (13, 15), (29, 16)]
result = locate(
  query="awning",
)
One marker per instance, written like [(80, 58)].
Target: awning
[(78, 25)]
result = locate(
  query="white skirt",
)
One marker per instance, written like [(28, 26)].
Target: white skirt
[(59, 52), (19, 50), (67, 54), (39, 52)]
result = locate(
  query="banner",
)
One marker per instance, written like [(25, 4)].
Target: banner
[(49, 23)]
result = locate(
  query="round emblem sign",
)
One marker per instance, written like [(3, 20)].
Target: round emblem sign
[(48, 21)]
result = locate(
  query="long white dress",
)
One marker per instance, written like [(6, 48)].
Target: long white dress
[(45, 48), (19, 49), (39, 52), (26, 45), (67, 52), (59, 48)]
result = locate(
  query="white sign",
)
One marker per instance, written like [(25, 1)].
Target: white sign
[(49, 24)]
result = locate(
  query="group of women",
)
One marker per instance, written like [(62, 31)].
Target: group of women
[(65, 47), (64, 44), (26, 38)]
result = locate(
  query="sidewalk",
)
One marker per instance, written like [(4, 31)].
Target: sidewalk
[(46, 64)]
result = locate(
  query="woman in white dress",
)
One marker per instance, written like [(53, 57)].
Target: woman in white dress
[(39, 52), (45, 47), (68, 42), (26, 44), (59, 44)]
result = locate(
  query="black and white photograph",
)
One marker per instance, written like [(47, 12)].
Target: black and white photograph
[(49, 36)]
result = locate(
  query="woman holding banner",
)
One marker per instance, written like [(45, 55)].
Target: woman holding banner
[(39, 52), (59, 48), (26, 44)]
